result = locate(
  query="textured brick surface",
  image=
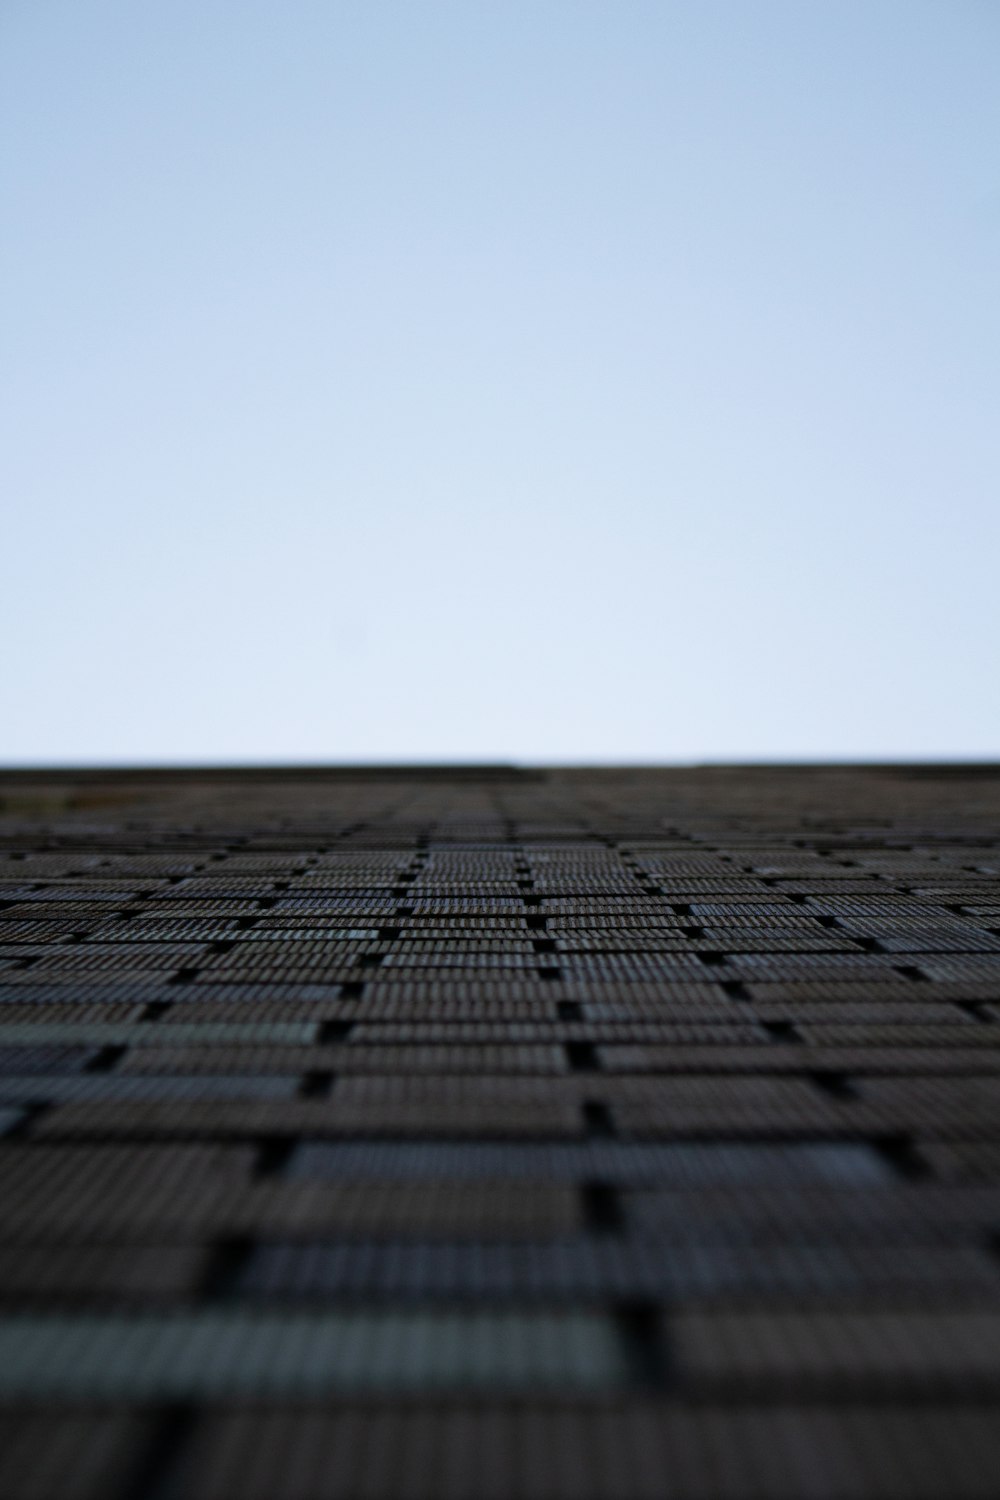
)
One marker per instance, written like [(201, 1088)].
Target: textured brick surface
[(500, 1135)]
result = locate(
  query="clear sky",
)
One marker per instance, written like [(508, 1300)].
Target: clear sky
[(533, 379)]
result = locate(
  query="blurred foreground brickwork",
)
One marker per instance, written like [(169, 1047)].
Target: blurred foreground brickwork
[(500, 1135)]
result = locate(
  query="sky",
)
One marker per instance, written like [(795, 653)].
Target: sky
[(535, 380)]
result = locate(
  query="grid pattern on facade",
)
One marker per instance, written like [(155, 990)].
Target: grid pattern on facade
[(500, 1135)]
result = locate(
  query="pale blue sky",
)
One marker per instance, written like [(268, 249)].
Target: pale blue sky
[(500, 379)]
